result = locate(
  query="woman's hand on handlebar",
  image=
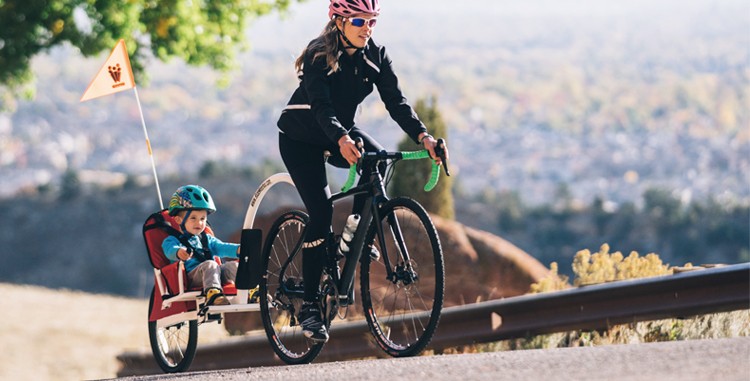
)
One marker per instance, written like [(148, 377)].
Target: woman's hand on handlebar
[(430, 144), (349, 149)]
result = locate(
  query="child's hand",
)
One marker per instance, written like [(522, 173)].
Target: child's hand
[(183, 254)]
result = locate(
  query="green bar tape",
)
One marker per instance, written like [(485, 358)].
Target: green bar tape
[(352, 177), (423, 154), (433, 178)]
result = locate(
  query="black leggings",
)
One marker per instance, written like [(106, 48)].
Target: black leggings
[(306, 165)]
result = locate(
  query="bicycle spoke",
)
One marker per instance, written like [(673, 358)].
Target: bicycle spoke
[(280, 297), (174, 346), (403, 291)]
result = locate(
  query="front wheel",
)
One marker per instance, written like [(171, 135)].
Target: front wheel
[(282, 290), (173, 346), (402, 292)]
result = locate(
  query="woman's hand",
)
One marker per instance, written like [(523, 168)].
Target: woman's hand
[(429, 144), (349, 149)]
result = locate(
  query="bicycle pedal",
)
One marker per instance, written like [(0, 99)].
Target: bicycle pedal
[(202, 310), (345, 301)]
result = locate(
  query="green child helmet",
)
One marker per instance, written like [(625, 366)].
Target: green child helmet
[(191, 197)]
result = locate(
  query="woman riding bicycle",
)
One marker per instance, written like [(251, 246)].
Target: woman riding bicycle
[(337, 70)]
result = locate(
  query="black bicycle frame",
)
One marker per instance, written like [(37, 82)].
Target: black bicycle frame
[(375, 190), (376, 197)]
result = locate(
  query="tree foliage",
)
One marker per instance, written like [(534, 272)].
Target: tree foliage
[(200, 32), (70, 185), (410, 176)]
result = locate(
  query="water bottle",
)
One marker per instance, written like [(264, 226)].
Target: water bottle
[(346, 236)]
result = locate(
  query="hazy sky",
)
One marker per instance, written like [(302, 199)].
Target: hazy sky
[(426, 21)]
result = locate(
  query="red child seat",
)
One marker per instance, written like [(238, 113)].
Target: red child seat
[(170, 277)]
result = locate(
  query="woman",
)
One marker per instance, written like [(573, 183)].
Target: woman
[(337, 70)]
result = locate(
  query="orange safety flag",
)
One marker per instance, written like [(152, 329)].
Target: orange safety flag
[(116, 75)]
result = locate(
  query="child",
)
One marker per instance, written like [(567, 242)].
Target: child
[(190, 205)]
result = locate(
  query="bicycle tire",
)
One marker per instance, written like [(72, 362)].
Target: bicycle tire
[(279, 305), (173, 351), (403, 311)]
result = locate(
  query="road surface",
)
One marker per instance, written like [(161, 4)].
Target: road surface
[(709, 360)]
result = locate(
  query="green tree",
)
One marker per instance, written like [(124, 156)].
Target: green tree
[(131, 182), (201, 32), (664, 211), (210, 169), (511, 211), (600, 217), (70, 185), (410, 176)]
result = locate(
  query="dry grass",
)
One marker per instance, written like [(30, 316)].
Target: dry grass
[(68, 335)]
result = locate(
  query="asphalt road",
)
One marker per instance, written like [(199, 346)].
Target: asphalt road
[(714, 360)]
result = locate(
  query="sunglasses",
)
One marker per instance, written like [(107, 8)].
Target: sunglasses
[(360, 21)]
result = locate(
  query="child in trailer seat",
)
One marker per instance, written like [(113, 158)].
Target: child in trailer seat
[(190, 205)]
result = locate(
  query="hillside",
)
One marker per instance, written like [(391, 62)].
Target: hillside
[(67, 335)]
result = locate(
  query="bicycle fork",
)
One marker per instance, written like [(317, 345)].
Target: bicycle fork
[(401, 271)]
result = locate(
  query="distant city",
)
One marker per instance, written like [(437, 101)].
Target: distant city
[(608, 106)]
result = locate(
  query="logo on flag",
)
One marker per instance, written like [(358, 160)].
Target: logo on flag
[(116, 72), (114, 76)]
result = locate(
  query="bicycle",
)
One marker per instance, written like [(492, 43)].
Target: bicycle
[(402, 292)]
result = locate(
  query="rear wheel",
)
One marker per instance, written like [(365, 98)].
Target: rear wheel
[(402, 292), (281, 290), (173, 346)]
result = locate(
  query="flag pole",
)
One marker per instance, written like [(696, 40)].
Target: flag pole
[(148, 145), (117, 75)]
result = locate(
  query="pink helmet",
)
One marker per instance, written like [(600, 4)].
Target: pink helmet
[(346, 8)]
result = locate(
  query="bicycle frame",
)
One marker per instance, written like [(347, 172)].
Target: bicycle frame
[(344, 280), (377, 196), (376, 191)]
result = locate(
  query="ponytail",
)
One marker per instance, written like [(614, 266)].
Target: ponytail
[(325, 45)]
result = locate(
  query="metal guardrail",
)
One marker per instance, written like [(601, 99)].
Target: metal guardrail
[(593, 307)]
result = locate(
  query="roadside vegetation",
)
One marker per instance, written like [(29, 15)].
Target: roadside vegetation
[(601, 267)]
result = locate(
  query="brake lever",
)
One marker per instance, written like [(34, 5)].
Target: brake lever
[(360, 144), (440, 152)]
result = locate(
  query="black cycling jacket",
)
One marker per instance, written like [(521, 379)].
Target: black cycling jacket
[(323, 107)]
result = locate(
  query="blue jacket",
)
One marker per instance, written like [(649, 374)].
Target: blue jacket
[(218, 248)]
